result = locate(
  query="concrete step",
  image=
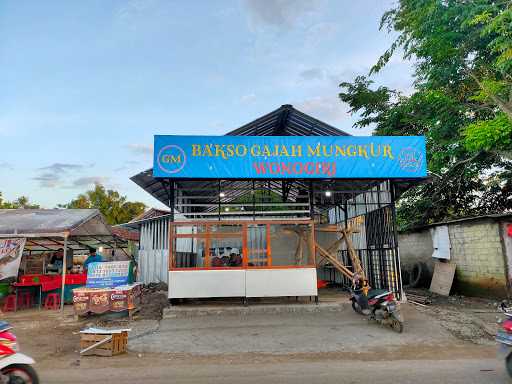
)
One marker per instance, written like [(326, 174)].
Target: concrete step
[(178, 311)]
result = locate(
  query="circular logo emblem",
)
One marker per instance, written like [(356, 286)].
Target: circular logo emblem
[(171, 159), (410, 159)]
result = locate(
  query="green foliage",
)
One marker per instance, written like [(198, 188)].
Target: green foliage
[(114, 207), (490, 88), (360, 97), (20, 202), (497, 23), (462, 103), (489, 134)]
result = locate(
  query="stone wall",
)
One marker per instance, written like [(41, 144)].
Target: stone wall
[(476, 249)]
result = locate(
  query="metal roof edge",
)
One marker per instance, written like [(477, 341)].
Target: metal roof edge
[(492, 216)]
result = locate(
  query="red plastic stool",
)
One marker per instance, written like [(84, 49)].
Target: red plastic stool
[(24, 300), (10, 303), (52, 301)]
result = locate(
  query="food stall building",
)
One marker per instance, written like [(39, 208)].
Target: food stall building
[(250, 210)]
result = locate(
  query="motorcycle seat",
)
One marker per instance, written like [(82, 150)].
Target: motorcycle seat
[(374, 293), (4, 326)]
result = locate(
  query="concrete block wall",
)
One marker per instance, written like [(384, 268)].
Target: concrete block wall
[(476, 249), (478, 253), (415, 247)]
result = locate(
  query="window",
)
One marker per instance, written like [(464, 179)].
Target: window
[(251, 244)]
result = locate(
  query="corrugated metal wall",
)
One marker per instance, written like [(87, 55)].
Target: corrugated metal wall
[(153, 259), (154, 251)]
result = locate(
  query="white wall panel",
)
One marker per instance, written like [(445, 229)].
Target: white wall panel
[(213, 283), (281, 282)]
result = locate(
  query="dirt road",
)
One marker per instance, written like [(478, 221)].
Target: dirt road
[(465, 371)]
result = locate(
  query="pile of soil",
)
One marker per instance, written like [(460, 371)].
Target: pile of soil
[(154, 300)]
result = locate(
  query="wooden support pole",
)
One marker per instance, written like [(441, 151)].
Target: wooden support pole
[(334, 261)]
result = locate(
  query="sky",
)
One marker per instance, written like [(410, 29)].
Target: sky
[(84, 85)]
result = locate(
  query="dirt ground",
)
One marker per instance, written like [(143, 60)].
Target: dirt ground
[(467, 318), (287, 347)]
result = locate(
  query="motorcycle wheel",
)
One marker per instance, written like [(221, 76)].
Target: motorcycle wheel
[(356, 307), (508, 364), (21, 374), (396, 325)]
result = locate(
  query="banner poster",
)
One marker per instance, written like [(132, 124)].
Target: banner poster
[(11, 251), (96, 300), (108, 275), (290, 157)]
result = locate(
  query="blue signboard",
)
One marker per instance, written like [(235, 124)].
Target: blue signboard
[(108, 275), (294, 157)]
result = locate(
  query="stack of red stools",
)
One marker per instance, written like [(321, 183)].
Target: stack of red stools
[(24, 300), (52, 301), (9, 303)]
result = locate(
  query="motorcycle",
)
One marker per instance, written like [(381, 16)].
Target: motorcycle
[(379, 305), (504, 337), (15, 367)]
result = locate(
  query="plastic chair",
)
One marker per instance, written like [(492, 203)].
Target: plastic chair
[(52, 301), (9, 303), (25, 300)]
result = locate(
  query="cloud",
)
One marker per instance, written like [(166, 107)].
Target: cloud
[(141, 149), (280, 13), (51, 175), (327, 108), (48, 180), (248, 99), (127, 165), (62, 167), (327, 77), (312, 74), (6, 165), (88, 181)]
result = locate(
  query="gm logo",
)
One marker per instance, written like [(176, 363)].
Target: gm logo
[(171, 159)]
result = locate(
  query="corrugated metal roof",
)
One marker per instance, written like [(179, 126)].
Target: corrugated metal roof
[(136, 224), (29, 221), (284, 121), (287, 121)]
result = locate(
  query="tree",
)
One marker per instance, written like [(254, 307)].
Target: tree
[(462, 92), (20, 202), (114, 207)]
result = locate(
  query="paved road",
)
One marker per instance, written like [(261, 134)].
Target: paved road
[(466, 371), (283, 333)]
